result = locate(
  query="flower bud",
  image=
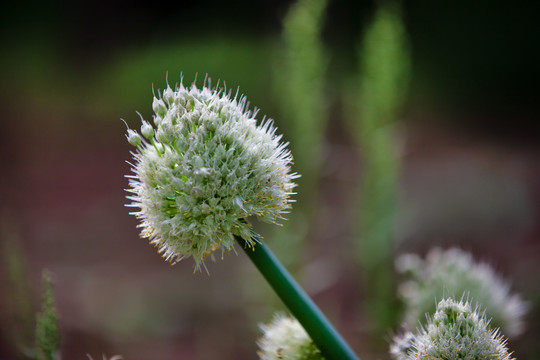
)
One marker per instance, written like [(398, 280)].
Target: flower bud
[(160, 135), (159, 107), (157, 120), (147, 130), (159, 147), (133, 138), (168, 95)]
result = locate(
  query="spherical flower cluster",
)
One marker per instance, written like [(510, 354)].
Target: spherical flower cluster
[(285, 339), (455, 332), (453, 272), (202, 169)]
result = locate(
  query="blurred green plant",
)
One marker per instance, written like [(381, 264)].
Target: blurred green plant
[(47, 332), (128, 76), (299, 75), (121, 80), (21, 321), (384, 70), (299, 78)]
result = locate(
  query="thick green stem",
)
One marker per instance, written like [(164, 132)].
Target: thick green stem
[(323, 334)]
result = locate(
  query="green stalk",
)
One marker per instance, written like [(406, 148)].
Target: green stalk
[(385, 71), (323, 334)]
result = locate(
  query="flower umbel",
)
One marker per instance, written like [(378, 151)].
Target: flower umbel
[(202, 169), (286, 339), (455, 332), (454, 272)]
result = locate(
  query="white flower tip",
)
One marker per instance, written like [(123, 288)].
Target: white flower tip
[(147, 130), (133, 138)]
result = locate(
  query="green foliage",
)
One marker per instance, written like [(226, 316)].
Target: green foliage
[(384, 74), (384, 68), (300, 80), (22, 314), (120, 81), (299, 76), (124, 82), (47, 333)]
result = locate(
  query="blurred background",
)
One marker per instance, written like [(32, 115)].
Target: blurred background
[(464, 143)]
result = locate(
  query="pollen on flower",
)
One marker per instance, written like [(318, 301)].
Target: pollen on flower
[(202, 169)]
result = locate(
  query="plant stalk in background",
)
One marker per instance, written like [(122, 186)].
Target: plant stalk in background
[(300, 80), (22, 317), (299, 84), (384, 68), (47, 333)]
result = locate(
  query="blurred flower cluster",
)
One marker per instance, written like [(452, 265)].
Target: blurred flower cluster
[(284, 338), (454, 273)]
